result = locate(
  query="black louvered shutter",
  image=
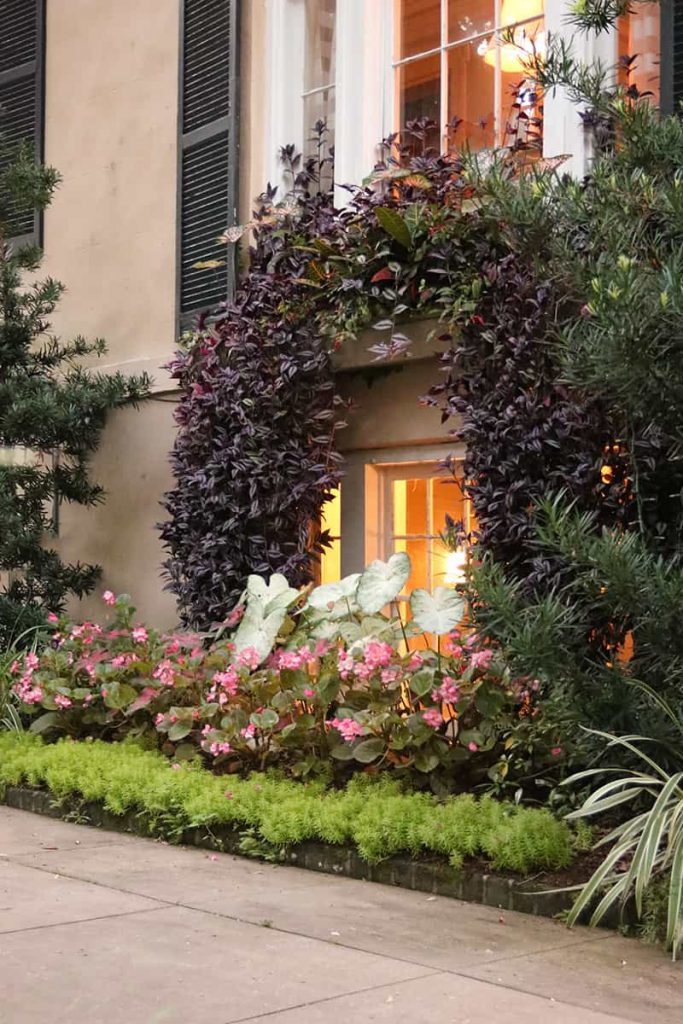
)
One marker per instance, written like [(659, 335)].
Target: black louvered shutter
[(672, 56), (21, 96), (208, 187)]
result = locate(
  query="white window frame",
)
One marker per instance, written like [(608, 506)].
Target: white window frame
[(365, 87)]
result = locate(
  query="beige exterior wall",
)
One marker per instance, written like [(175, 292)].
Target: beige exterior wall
[(110, 235)]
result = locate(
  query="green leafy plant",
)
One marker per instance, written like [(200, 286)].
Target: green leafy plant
[(374, 816), (645, 846), (313, 682)]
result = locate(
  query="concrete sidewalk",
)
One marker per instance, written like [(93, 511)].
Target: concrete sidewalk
[(107, 929)]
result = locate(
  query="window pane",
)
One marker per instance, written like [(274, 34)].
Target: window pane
[(521, 111), (320, 44), (513, 11), (319, 106), (470, 18), (418, 27), (330, 519), (471, 95), (639, 37), (419, 88)]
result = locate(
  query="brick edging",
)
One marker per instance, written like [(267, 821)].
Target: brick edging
[(434, 876)]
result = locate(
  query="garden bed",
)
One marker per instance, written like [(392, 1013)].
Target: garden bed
[(124, 788)]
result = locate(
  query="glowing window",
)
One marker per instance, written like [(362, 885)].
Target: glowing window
[(453, 58)]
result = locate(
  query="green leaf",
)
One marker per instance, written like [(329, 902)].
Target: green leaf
[(490, 700), (264, 719), (422, 682), (382, 582), (394, 225), (179, 730), (369, 750), (342, 752), (44, 722), (439, 613), (426, 762)]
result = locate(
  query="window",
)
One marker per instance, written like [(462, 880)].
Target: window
[(464, 59), (208, 181), (330, 559), (639, 43), (22, 55), (416, 500), (319, 69)]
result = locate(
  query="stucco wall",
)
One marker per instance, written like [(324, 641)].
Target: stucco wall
[(110, 236)]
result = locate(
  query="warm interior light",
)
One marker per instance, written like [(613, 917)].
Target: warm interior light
[(455, 567), (513, 55)]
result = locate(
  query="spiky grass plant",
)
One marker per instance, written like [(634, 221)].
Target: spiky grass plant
[(649, 844)]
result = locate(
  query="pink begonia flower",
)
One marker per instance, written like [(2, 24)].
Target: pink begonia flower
[(416, 661), (345, 664), (389, 675), (62, 701), (104, 691), (472, 746), (556, 751), (52, 619), (433, 718), (175, 766), (248, 732), (159, 719), (321, 648), (119, 661), (140, 635), (217, 748), (28, 693), (448, 692), (481, 659), (109, 598), (377, 654), (348, 728), (249, 658), (31, 661), (205, 730), (308, 692), (227, 680), (164, 673), (14, 668), (471, 640), (173, 647), (76, 631)]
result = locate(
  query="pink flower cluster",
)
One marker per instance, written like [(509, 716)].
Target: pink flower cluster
[(349, 728), (26, 690), (433, 718), (448, 692), (164, 672), (376, 655), (225, 685)]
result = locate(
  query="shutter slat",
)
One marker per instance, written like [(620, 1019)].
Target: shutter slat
[(206, 50), (18, 33), (208, 166), (20, 81), (204, 218)]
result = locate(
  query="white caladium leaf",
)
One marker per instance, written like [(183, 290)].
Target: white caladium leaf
[(265, 612), (439, 612), (274, 595), (382, 582), (335, 599)]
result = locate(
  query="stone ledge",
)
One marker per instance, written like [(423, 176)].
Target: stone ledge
[(436, 877)]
